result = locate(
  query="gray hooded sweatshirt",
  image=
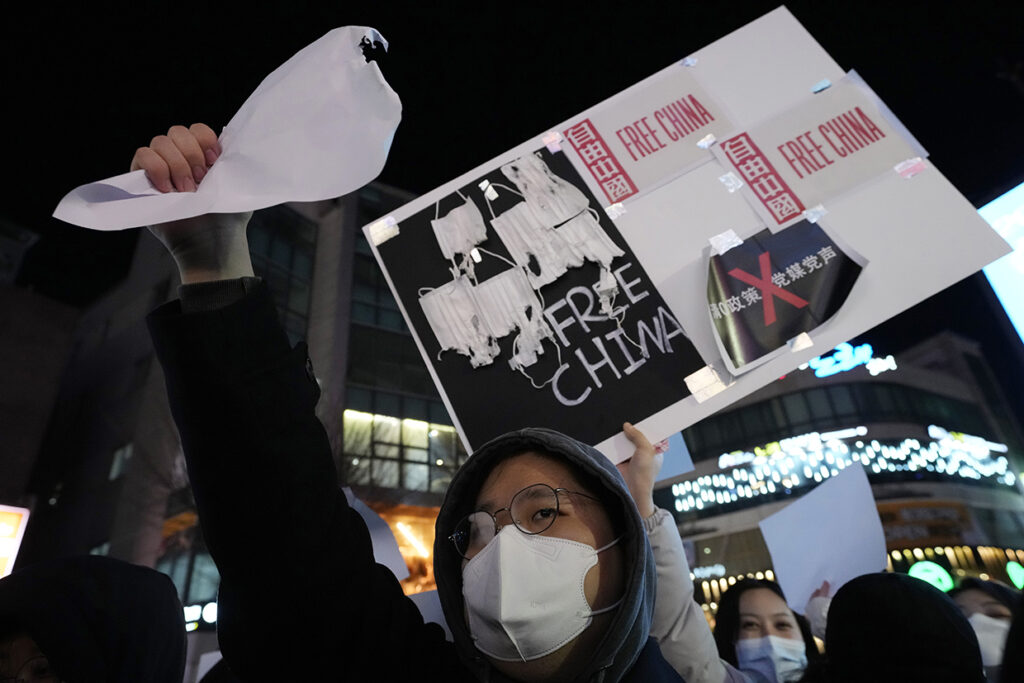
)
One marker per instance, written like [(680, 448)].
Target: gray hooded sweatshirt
[(626, 653)]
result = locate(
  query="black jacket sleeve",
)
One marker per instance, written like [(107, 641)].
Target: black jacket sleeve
[(301, 597)]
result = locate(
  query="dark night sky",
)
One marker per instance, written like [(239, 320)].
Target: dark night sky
[(84, 87)]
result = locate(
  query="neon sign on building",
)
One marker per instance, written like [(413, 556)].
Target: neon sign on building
[(846, 357), (800, 462)]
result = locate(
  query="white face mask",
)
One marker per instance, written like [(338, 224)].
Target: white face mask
[(523, 235), (524, 594), (459, 230), (587, 238), (507, 303), (991, 634), (552, 199), (455, 318), (777, 659)]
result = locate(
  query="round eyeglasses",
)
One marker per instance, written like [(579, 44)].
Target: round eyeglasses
[(533, 510)]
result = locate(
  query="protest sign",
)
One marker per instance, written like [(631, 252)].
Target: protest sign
[(773, 287), (660, 131), (831, 534), (826, 145), (598, 285), (546, 354)]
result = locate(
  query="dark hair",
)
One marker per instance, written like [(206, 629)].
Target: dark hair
[(995, 590), (727, 621), (893, 627)]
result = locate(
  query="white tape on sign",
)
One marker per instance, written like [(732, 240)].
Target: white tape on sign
[(704, 384), (553, 141), (689, 61), (724, 241), (731, 181), (615, 210), (706, 141), (814, 214), (488, 189), (475, 254), (910, 168), (800, 342), (383, 230), (823, 84)]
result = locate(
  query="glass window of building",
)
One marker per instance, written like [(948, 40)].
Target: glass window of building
[(282, 244), (397, 433)]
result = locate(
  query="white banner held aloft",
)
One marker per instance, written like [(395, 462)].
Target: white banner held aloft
[(300, 137)]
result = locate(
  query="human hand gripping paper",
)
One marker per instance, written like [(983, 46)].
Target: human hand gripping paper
[(319, 126)]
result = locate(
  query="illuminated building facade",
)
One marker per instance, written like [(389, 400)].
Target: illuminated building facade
[(940, 446)]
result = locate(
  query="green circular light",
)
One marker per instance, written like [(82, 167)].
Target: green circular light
[(1016, 573), (929, 572)]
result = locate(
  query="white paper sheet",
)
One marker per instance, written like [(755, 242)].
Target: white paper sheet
[(318, 127), (831, 534), (385, 547)]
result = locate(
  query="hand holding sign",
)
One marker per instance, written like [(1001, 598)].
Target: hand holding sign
[(641, 471)]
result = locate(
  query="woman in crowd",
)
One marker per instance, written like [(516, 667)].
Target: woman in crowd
[(758, 633), (988, 606)]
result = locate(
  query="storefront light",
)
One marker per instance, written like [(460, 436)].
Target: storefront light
[(1016, 573), (411, 537), (954, 455), (210, 613)]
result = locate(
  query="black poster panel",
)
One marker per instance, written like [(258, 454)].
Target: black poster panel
[(602, 372), (772, 287)]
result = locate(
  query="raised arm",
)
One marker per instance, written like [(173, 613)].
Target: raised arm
[(301, 597), (206, 248), (679, 624)]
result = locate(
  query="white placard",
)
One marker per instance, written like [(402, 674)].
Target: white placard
[(918, 235), (640, 142), (823, 147), (831, 534)]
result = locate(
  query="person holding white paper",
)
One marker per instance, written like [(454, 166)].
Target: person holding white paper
[(679, 624), (543, 567)]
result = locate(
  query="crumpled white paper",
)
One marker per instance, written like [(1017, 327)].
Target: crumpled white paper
[(318, 127)]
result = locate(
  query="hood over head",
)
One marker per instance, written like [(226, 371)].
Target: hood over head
[(98, 619), (630, 626), (894, 627)]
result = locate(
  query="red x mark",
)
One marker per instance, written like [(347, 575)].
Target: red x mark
[(769, 289)]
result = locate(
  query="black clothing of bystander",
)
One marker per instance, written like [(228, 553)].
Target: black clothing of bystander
[(301, 597)]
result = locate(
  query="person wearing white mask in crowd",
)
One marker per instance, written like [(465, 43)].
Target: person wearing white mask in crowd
[(761, 626), (988, 606), (543, 567), (679, 625), (757, 632)]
